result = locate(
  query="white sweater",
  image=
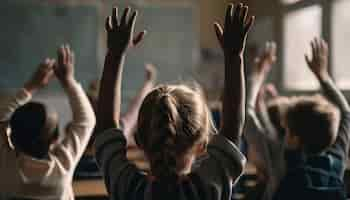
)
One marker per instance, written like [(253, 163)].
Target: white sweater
[(24, 176)]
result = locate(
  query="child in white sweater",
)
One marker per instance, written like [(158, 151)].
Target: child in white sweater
[(32, 162)]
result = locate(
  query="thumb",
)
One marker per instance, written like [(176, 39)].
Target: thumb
[(308, 61), (219, 33), (139, 38)]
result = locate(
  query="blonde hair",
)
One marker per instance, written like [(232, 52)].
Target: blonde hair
[(314, 120), (172, 120)]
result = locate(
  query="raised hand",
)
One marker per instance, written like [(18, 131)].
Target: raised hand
[(41, 76), (266, 59), (234, 35), (318, 64), (151, 72), (271, 90), (120, 32), (64, 68)]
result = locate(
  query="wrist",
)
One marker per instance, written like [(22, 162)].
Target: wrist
[(30, 87), (323, 76), (66, 83), (230, 55), (116, 53)]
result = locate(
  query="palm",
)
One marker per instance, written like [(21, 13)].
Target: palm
[(120, 35), (234, 35), (319, 62), (64, 69)]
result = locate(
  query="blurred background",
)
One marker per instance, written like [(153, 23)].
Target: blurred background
[(180, 42)]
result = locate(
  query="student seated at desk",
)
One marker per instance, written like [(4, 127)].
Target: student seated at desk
[(33, 164), (317, 138), (174, 124)]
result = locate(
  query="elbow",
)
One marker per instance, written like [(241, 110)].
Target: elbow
[(92, 121), (241, 165)]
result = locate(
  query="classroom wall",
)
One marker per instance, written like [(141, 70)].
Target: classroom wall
[(209, 69)]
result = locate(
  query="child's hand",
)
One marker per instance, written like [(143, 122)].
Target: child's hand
[(234, 35), (271, 90), (120, 32), (151, 72), (319, 62), (266, 59), (41, 77), (64, 68)]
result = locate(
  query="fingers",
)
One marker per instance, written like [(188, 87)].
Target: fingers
[(324, 45), (237, 12), (61, 54), (132, 20), (313, 48), (65, 55), (271, 49), (72, 57), (108, 25), (219, 33), (317, 47), (123, 20), (150, 68), (243, 14), (115, 22), (229, 13), (249, 24), (308, 60), (139, 38), (68, 53), (47, 64)]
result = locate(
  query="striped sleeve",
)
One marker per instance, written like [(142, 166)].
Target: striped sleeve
[(224, 165), (120, 175)]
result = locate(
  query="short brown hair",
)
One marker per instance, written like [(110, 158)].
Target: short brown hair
[(34, 127), (276, 108), (314, 120)]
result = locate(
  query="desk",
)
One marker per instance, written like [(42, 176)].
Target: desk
[(89, 188), (84, 188)]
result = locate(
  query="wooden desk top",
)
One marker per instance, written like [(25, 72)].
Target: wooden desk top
[(97, 187), (89, 188)]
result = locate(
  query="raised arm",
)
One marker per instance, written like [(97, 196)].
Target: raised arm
[(232, 40), (262, 110), (260, 70), (129, 119), (262, 66), (39, 80), (120, 37), (318, 64), (79, 130)]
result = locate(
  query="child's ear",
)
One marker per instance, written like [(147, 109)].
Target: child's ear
[(292, 141)]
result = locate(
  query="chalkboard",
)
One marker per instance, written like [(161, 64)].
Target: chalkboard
[(32, 31)]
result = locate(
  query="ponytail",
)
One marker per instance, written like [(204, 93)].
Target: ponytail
[(172, 120)]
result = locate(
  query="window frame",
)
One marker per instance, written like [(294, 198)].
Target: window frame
[(326, 33)]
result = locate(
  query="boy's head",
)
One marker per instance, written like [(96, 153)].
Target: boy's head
[(34, 127), (311, 124), (174, 126), (276, 108)]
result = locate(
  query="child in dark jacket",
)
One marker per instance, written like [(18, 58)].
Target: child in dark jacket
[(317, 138), (174, 125)]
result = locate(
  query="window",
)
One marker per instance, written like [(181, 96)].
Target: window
[(301, 21), (290, 1), (341, 43), (300, 27)]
